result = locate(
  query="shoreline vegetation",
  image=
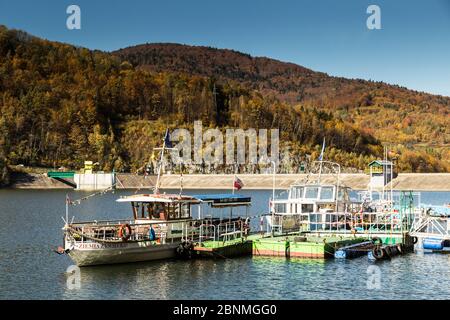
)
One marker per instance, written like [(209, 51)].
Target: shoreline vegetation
[(61, 105)]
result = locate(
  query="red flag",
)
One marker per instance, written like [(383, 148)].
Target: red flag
[(238, 184)]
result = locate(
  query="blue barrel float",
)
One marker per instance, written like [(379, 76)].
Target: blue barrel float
[(433, 244)]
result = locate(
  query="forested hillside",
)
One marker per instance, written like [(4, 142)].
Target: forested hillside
[(61, 105), (415, 124)]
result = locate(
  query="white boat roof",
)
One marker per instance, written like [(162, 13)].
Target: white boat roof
[(162, 198), (318, 185)]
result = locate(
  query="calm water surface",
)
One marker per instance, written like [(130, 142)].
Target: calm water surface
[(30, 230)]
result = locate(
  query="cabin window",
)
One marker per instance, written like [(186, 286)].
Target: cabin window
[(173, 213), (135, 208), (182, 211), (185, 210), (280, 207), (297, 192), (343, 194), (307, 208), (160, 211), (311, 193), (326, 193)]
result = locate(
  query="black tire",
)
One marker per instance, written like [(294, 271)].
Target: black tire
[(387, 251), (414, 240), (378, 253)]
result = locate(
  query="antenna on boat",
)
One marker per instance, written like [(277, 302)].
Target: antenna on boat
[(66, 221), (167, 145)]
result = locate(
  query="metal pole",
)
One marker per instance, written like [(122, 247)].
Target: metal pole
[(232, 187), (320, 172), (67, 210), (273, 197), (156, 190), (273, 179)]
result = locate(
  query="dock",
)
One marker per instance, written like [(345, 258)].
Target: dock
[(224, 249), (300, 246)]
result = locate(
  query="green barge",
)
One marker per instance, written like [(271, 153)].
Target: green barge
[(293, 245)]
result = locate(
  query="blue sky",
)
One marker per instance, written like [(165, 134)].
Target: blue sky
[(412, 49)]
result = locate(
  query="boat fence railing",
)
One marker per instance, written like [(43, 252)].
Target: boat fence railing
[(223, 231), (207, 232), (161, 231), (340, 222), (109, 231), (431, 226), (230, 230)]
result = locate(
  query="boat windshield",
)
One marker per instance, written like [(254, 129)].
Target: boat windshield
[(326, 193), (297, 192), (280, 207), (160, 210), (311, 192)]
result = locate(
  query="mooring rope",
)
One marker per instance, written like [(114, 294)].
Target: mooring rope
[(102, 192)]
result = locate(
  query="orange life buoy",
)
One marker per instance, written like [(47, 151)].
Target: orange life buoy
[(125, 232)]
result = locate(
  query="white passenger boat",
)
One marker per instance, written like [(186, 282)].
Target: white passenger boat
[(324, 205), (160, 226), (160, 223)]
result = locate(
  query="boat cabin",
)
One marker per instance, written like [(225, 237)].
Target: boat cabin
[(313, 198), (160, 207), (223, 205)]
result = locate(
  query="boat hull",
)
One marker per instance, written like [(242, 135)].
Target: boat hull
[(91, 254)]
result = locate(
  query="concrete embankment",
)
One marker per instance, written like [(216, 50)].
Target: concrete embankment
[(405, 181)]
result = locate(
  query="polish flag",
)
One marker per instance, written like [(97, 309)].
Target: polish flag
[(238, 184)]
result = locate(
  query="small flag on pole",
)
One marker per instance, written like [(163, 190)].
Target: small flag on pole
[(238, 184), (323, 150), (167, 141)]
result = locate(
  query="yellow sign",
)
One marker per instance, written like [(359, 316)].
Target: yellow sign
[(88, 166)]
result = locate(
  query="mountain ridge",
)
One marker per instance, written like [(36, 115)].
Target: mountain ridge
[(62, 104), (392, 113)]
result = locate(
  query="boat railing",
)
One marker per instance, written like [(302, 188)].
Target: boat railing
[(223, 231), (110, 231), (431, 226), (339, 222), (162, 231), (207, 232)]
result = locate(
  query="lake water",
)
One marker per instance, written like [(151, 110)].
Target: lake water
[(30, 230)]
